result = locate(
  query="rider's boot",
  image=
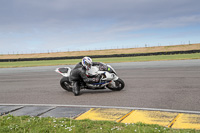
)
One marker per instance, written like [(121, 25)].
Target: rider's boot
[(76, 88)]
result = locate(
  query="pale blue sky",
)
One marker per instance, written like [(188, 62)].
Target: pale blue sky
[(29, 26)]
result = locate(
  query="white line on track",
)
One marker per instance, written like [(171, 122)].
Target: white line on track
[(94, 106)]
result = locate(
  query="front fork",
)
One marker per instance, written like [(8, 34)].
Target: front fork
[(113, 83)]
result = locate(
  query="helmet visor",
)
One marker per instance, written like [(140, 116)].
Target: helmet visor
[(88, 65)]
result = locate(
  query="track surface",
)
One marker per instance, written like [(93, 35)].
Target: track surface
[(164, 85)]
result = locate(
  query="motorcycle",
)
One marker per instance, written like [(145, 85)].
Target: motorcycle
[(108, 78)]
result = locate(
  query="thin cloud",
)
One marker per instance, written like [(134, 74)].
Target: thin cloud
[(42, 24)]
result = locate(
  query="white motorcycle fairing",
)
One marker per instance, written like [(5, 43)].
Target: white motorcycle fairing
[(107, 76)]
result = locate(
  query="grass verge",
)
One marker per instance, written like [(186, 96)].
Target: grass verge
[(105, 60), (19, 124), (106, 51)]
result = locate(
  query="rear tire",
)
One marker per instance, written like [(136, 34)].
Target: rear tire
[(65, 84), (119, 85)]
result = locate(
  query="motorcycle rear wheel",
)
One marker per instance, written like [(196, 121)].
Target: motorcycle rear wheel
[(64, 83), (119, 85)]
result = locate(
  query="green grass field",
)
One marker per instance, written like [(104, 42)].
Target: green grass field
[(105, 60), (27, 124)]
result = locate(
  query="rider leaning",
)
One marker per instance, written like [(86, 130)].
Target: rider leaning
[(78, 74)]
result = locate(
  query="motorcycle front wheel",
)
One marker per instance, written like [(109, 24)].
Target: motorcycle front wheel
[(65, 84), (119, 85)]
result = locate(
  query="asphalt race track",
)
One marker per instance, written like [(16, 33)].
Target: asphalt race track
[(171, 85)]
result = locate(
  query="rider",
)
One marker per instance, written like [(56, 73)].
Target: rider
[(78, 74)]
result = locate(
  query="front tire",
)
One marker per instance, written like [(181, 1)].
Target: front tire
[(119, 85), (65, 84)]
